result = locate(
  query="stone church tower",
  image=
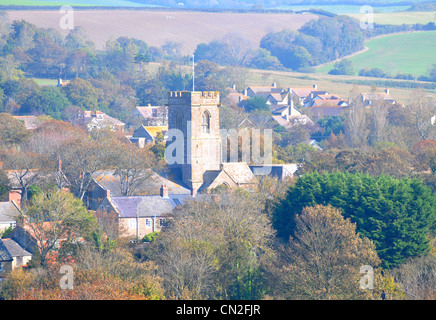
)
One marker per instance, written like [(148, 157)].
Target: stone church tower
[(196, 114)]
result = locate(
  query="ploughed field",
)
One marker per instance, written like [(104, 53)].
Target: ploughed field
[(156, 28)]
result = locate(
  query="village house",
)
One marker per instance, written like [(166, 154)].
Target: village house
[(91, 120), (10, 210), (234, 97), (145, 135), (372, 97), (106, 182), (301, 94), (149, 116), (263, 91), (12, 256), (137, 216)]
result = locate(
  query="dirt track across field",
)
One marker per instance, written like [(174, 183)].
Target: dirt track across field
[(158, 27)]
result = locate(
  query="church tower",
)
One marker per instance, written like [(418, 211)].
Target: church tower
[(196, 114)]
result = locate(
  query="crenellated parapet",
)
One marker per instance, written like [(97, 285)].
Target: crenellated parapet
[(194, 98)]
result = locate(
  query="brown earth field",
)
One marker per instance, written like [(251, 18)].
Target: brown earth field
[(158, 27)]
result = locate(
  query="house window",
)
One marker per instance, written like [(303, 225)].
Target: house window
[(205, 122), (161, 222), (132, 224), (148, 222)]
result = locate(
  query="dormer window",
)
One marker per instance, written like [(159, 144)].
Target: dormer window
[(205, 122)]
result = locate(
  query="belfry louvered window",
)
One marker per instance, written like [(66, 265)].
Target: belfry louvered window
[(205, 122)]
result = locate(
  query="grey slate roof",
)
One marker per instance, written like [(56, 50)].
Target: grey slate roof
[(8, 212), (14, 249), (280, 171), (4, 253), (146, 206), (108, 181)]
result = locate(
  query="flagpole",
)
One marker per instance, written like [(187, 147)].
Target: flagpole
[(193, 74)]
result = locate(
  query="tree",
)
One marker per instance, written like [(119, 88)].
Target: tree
[(396, 214), (24, 168), (422, 109), (55, 217), (50, 101), (325, 256), (418, 278), (215, 249), (133, 167), (12, 131), (82, 94), (81, 159), (256, 103), (343, 67)]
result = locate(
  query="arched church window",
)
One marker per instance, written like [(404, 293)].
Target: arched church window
[(205, 122)]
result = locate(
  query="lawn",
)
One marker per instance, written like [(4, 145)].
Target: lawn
[(400, 53)]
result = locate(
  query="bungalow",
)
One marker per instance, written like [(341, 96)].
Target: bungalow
[(12, 256)]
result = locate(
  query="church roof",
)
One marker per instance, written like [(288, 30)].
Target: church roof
[(239, 172)]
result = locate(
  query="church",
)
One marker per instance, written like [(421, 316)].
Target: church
[(197, 150)]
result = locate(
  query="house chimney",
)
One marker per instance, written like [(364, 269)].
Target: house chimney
[(315, 86), (245, 92), (164, 191), (193, 192), (234, 86), (274, 84), (15, 196), (387, 91)]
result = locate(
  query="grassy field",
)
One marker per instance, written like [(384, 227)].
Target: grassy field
[(343, 9), (57, 3), (401, 53), (341, 85), (333, 84), (157, 27), (397, 18)]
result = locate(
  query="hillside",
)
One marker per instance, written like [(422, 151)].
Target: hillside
[(400, 53), (158, 27)]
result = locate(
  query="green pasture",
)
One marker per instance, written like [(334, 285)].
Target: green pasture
[(400, 53)]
